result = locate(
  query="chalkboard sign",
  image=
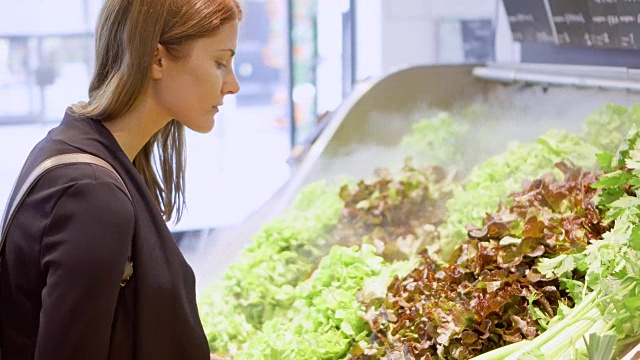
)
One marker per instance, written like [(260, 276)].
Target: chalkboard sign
[(477, 40), (604, 23), (529, 21), (572, 22), (629, 26), (596, 24)]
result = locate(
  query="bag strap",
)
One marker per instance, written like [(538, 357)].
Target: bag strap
[(41, 169)]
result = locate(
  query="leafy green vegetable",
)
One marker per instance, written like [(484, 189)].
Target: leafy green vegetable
[(502, 174), (607, 127), (225, 326), (601, 347), (557, 341), (608, 300), (397, 213), (493, 295), (437, 141), (620, 185), (262, 283), (326, 317), (264, 307)]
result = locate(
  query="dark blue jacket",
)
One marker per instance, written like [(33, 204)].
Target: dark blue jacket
[(60, 293)]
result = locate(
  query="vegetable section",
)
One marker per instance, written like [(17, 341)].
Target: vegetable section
[(493, 295), (532, 255)]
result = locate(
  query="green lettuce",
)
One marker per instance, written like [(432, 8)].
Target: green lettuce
[(326, 319), (608, 126), (283, 253)]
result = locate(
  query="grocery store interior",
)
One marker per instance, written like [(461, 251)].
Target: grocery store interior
[(332, 90), (297, 62)]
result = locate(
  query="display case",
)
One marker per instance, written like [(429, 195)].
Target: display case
[(418, 260), (525, 100)]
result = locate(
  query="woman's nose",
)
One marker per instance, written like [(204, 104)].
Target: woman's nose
[(231, 85)]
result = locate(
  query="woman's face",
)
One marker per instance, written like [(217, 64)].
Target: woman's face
[(191, 89)]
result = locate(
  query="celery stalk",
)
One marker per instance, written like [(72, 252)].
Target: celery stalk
[(557, 330), (556, 347), (585, 309), (502, 352)]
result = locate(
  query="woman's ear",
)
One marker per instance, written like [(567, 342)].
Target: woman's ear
[(159, 62)]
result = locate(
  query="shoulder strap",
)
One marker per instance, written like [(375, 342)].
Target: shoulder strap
[(43, 167)]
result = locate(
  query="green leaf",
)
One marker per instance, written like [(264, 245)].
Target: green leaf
[(634, 239), (627, 145), (601, 347), (557, 266), (632, 302), (634, 160), (374, 288), (347, 329), (537, 314), (612, 179), (634, 182), (574, 287), (625, 202), (608, 196), (605, 160), (546, 143), (509, 240)]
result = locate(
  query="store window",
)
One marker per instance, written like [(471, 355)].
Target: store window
[(46, 63), (321, 64), (304, 42), (41, 75)]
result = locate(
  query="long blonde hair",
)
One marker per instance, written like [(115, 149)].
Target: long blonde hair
[(127, 34)]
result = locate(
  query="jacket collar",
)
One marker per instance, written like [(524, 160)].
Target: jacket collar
[(90, 136)]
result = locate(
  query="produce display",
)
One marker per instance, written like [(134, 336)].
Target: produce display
[(391, 214), (443, 139), (607, 293), (437, 141), (493, 294), (398, 214), (325, 319), (262, 283), (532, 254), (608, 126), (502, 174)]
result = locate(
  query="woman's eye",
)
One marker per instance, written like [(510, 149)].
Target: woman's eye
[(221, 65)]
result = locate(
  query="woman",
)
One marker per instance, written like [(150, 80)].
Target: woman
[(161, 65)]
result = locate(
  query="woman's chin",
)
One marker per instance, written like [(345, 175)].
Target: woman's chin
[(202, 127)]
